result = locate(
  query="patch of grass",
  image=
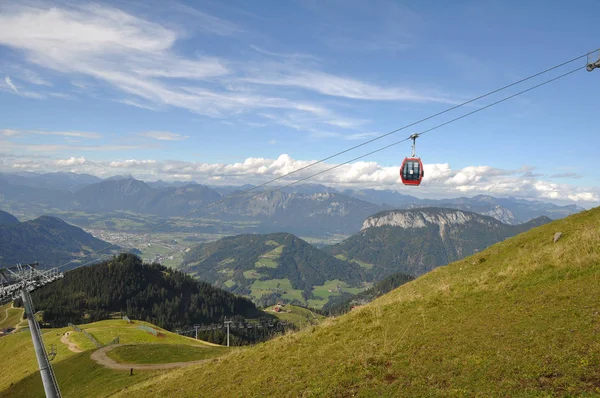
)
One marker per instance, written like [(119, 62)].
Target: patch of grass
[(229, 283), (163, 353), (269, 259), (282, 286), (78, 376), (300, 316), (266, 262), (227, 271), (10, 317), (330, 288), (253, 274), (363, 264), (316, 303), (524, 322), (18, 356), (106, 331)]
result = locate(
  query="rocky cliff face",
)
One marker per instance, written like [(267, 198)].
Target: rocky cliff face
[(421, 218), (415, 241)]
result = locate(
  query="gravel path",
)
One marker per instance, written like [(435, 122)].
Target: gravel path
[(6, 314), (72, 346), (100, 357)]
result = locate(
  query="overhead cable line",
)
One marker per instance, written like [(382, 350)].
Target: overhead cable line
[(355, 158), (377, 138)]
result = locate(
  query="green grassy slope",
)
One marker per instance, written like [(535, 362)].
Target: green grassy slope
[(163, 353), (268, 268), (300, 316), (73, 369), (10, 317), (107, 331), (79, 376), (18, 356), (521, 318)]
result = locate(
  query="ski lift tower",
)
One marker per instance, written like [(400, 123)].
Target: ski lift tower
[(593, 60), (18, 281)]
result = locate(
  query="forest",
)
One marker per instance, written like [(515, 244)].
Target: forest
[(124, 285)]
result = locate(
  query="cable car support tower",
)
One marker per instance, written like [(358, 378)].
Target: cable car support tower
[(18, 281)]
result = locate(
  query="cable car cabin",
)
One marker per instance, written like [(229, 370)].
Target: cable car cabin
[(411, 171)]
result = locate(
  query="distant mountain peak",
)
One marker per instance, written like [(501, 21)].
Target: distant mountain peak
[(420, 218), (7, 218)]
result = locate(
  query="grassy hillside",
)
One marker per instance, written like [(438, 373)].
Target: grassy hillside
[(521, 318), (10, 317), (77, 374), (273, 267), (106, 331), (299, 316), (164, 353), (17, 348), (80, 376)]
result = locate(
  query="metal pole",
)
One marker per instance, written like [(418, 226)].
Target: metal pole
[(48, 378), (227, 324)]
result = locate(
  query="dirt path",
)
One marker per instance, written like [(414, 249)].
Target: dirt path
[(72, 346), (6, 313), (100, 357)]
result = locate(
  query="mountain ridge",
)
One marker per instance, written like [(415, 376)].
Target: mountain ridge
[(7, 218), (415, 241), (47, 240)]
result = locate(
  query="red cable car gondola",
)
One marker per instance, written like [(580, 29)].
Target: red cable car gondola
[(411, 171)]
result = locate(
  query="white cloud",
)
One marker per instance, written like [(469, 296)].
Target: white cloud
[(9, 132), (360, 136), (337, 86), (136, 104), (440, 179), (10, 84), (71, 161), (79, 134), (55, 148), (163, 135), (283, 55), (13, 89), (139, 59), (33, 78), (209, 23), (131, 163)]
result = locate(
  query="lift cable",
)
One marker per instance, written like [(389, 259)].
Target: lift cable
[(228, 198), (351, 160)]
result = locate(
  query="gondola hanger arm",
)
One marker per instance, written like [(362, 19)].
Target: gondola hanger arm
[(414, 144)]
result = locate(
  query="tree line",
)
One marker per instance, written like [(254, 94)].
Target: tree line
[(124, 285)]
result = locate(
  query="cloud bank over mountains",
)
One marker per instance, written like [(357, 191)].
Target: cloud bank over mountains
[(441, 180)]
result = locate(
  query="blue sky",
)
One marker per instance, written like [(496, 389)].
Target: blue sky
[(237, 91)]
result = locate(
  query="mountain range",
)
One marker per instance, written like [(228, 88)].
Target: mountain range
[(307, 209), (47, 240), (283, 266)]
